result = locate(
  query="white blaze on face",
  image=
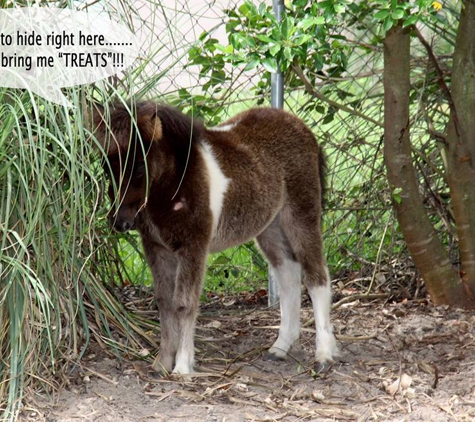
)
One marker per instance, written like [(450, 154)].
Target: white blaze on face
[(218, 183)]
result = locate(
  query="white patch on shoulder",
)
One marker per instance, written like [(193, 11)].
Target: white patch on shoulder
[(218, 183), (224, 128)]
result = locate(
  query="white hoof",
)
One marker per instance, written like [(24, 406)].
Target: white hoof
[(183, 369), (327, 348), (275, 353)]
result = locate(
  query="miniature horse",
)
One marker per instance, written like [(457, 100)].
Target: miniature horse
[(191, 191)]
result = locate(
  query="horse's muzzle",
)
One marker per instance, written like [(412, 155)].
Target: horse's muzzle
[(124, 220)]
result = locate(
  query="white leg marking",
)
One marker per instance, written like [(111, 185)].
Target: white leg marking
[(224, 128), (218, 183), (288, 277), (326, 347), (185, 357)]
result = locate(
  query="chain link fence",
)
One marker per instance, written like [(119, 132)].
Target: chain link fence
[(345, 113)]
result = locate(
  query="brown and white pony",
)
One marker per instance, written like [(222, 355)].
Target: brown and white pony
[(191, 191)]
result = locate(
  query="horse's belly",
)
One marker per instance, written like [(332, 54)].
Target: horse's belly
[(221, 242), (239, 226)]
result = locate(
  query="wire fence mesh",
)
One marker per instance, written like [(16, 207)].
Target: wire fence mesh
[(53, 243), (59, 259), (359, 226), (345, 112)]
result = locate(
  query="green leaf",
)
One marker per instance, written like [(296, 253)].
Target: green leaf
[(289, 54), (319, 61), (274, 49), (328, 118), (227, 49), (276, 34), (262, 9), (411, 20), (339, 8), (270, 65), (248, 9), (194, 52), (302, 39), (249, 41), (221, 260), (396, 195), (252, 64), (264, 38), (236, 272), (388, 24), (397, 14), (382, 14), (285, 29), (312, 21), (320, 109)]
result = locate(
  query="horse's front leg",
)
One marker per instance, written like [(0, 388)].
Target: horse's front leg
[(164, 266), (186, 297)]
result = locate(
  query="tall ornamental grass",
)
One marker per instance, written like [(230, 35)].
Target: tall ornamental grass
[(58, 257), (53, 245)]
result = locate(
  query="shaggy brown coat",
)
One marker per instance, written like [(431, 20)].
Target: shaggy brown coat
[(190, 191)]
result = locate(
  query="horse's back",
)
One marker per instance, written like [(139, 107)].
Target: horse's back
[(267, 128), (269, 157), (268, 137)]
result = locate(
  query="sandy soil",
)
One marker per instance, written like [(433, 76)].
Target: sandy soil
[(399, 362)]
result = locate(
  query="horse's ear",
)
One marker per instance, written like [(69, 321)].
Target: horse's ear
[(150, 127), (96, 122), (98, 112)]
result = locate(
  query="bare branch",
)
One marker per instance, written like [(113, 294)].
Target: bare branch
[(313, 92), (440, 78)]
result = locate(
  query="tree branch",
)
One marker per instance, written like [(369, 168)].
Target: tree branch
[(312, 91), (440, 78)]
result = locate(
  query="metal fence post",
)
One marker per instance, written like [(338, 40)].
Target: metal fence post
[(277, 79), (277, 101)]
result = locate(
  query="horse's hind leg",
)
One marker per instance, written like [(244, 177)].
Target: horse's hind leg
[(320, 294), (301, 224), (287, 273)]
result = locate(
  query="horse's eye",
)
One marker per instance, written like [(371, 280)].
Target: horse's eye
[(110, 169), (139, 170)]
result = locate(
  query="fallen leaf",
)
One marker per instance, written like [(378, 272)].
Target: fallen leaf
[(213, 324), (400, 385), (317, 395)]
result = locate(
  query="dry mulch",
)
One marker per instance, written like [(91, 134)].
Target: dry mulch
[(405, 361)]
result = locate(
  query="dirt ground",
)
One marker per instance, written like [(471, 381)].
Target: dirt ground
[(408, 361)]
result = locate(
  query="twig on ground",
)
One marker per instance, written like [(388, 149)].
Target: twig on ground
[(101, 376)]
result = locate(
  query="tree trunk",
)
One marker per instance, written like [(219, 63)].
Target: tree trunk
[(461, 146), (442, 280)]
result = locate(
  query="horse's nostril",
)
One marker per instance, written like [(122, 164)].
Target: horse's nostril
[(125, 226), (121, 226)]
